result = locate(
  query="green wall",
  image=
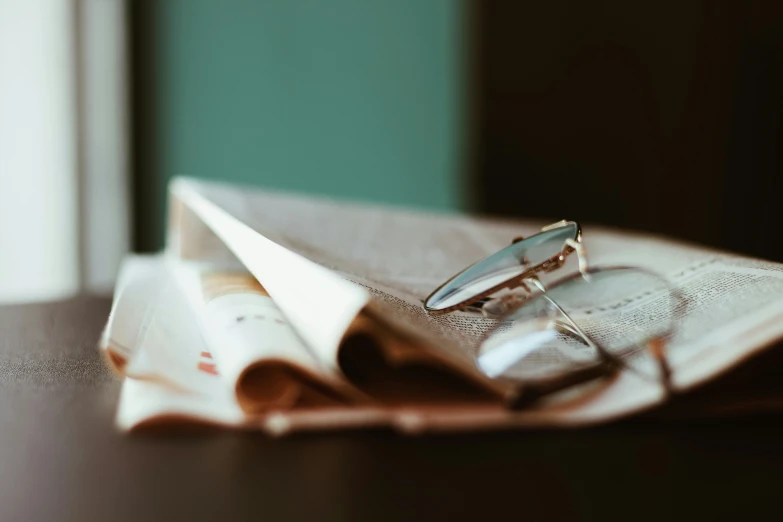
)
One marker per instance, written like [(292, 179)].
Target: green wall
[(359, 99)]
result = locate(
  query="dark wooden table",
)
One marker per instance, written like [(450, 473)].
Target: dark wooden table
[(61, 458)]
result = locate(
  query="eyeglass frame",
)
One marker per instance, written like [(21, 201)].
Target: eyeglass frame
[(609, 362)]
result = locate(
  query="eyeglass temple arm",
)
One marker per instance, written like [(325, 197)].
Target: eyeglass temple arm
[(581, 254), (575, 328), (536, 282), (657, 349)]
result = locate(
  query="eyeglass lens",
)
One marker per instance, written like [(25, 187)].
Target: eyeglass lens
[(501, 267), (619, 309)]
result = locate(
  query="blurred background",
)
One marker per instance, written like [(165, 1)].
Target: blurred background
[(658, 116)]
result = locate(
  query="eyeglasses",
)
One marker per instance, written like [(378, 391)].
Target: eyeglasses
[(583, 327)]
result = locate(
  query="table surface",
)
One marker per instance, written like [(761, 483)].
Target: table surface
[(61, 458)]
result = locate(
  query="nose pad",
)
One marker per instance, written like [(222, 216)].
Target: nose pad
[(500, 306), (520, 291)]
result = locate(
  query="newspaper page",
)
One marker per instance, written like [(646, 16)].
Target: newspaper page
[(322, 304), (173, 376), (333, 258), (171, 373), (261, 357)]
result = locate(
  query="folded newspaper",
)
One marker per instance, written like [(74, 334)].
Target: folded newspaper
[(278, 312)]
